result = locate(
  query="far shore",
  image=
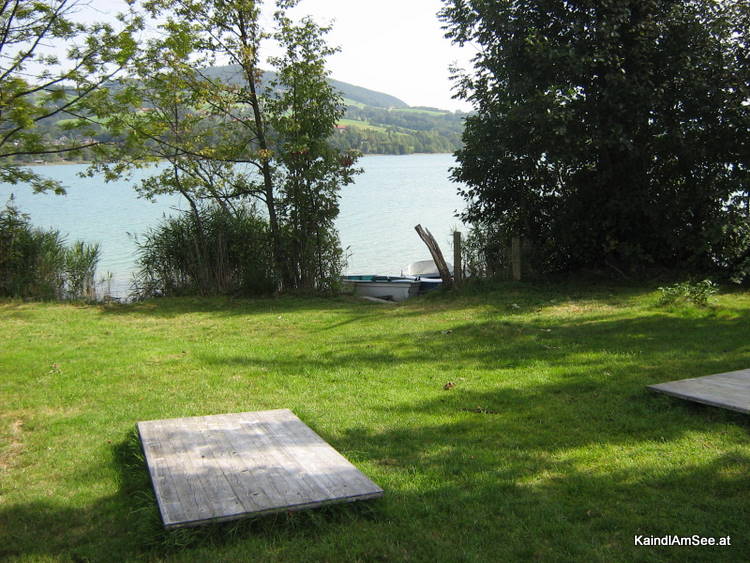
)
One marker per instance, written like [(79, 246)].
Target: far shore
[(65, 162)]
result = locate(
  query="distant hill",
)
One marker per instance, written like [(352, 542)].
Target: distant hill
[(232, 74), (374, 122), (378, 123), (367, 97)]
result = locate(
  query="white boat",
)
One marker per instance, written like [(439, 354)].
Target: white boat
[(420, 277), (425, 269), (383, 287)]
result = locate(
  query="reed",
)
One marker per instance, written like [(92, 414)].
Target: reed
[(209, 251), (38, 264)]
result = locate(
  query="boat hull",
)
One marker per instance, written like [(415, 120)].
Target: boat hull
[(397, 290)]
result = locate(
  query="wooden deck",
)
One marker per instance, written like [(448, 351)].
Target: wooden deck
[(224, 467), (726, 390)]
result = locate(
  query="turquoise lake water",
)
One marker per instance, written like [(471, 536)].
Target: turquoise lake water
[(376, 222)]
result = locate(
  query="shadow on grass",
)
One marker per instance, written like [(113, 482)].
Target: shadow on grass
[(514, 298), (633, 349), (485, 488), (525, 469), (168, 308), (128, 524), (568, 462), (15, 310)]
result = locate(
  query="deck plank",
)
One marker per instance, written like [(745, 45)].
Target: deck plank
[(729, 390), (223, 467)]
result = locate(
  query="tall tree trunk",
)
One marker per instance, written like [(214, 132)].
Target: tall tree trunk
[(250, 70)]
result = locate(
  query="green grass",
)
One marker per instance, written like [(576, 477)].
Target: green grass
[(548, 447), (361, 124), (350, 102), (420, 110)]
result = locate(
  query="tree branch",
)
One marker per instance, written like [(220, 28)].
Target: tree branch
[(38, 40), (52, 151)]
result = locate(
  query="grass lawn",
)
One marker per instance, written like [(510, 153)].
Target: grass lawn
[(361, 124), (548, 446)]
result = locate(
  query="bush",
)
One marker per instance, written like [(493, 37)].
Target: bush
[(37, 264), (484, 254), (210, 251), (697, 293)]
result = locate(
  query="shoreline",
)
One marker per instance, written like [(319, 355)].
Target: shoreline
[(70, 162)]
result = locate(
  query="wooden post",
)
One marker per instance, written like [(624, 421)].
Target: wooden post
[(515, 257), (458, 270), (437, 256)]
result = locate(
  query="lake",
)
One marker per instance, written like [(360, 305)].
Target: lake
[(376, 222)]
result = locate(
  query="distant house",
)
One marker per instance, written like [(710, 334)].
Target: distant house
[(342, 127)]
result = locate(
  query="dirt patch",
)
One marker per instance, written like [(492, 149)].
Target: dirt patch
[(12, 443)]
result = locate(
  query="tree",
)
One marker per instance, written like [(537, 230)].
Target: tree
[(609, 133), (303, 111), (234, 141), (37, 85)]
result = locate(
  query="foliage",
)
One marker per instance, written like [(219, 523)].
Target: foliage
[(37, 264), (36, 85), (696, 293), (610, 134), (233, 74), (243, 141), (210, 252), (80, 268), (392, 127), (302, 114), (483, 254), (369, 140)]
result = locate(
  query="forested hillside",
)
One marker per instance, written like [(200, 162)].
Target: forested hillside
[(378, 123), (375, 123), (374, 130)]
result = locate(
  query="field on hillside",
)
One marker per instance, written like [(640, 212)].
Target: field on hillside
[(547, 446), (361, 124)]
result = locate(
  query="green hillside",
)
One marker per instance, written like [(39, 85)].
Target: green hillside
[(367, 97), (374, 123), (378, 123), (232, 74), (377, 130)]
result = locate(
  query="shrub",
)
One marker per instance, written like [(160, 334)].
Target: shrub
[(37, 264), (209, 251), (697, 293)]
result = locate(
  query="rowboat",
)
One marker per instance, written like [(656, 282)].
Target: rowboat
[(419, 277), (390, 288)]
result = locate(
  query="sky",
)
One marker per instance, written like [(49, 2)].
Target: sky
[(392, 46)]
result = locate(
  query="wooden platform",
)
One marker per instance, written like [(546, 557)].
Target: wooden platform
[(726, 390), (224, 467)]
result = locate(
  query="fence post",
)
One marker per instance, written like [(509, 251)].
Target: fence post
[(515, 257), (458, 270)]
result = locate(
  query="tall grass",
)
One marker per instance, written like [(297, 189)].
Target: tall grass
[(80, 268), (38, 264), (206, 252)]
